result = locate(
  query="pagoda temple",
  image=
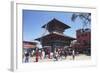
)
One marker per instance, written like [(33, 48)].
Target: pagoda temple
[(56, 37)]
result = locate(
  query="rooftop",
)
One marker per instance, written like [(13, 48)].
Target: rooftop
[(29, 42), (54, 22), (57, 36)]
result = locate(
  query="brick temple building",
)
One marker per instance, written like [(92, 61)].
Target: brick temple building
[(28, 44), (56, 37), (83, 43)]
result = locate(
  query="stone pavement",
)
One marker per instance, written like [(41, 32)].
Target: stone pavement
[(68, 58)]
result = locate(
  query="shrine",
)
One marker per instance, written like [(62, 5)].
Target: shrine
[(56, 37)]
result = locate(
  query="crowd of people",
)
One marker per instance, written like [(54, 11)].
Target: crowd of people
[(40, 54)]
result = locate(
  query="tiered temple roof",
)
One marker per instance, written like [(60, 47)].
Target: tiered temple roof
[(56, 29)]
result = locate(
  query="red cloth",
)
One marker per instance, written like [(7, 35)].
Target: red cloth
[(37, 54)]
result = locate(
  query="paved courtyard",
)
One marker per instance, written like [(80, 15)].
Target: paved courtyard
[(68, 58)]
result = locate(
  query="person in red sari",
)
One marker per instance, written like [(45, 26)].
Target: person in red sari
[(49, 53), (37, 54)]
